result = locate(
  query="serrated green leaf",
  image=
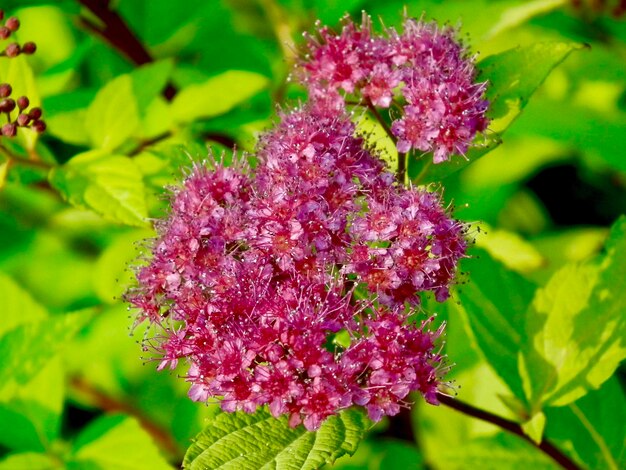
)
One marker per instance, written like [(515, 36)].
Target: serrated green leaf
[(116, 443), (576, 328), (27, 348), (514, 76), (217, 95), (112, 116), (493, 305), (110, 185), (260, 441), (18, 307)]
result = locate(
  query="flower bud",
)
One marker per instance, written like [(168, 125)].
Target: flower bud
[(7, 105), (9, 130), (4, 32), (38, 126), (5, 90), (29, 48), (23, 120), (22, 102), (12, 24), (35, 113), (12, 50)]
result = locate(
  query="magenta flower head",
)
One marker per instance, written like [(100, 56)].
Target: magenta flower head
[(424, 72), (253, 276)]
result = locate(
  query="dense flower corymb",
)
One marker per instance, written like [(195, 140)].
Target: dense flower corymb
[(423, 72), (252, 279)]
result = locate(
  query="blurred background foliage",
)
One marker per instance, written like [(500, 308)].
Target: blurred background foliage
[(74, 204)]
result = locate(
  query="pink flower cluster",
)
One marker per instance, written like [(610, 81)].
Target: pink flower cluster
[(296, 286), (423, 72)]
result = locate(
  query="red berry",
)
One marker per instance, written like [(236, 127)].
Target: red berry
[(1, 15), (7, 105), (38, 126), (29, 48), (4, 32), (5, 90), (23, 120), (9, 130), (22, 102), (12, 24), (12, 50), (35, 113)]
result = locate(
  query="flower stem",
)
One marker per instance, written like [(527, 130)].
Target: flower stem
[(545, 446)]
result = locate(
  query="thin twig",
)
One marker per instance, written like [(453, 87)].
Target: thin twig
[(109, 404), (116, 32), (514, 428)]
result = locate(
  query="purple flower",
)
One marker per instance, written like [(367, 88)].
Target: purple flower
[(424, 71), (253, 274)]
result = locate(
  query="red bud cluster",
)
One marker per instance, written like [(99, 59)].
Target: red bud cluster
[(13, 49)]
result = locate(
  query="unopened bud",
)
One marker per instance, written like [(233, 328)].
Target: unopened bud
[(29, 48), (35, 113), (7, 105), (23, 120), (12, 50), (4, 32), (5, 90), (9, 130), (22, 102), (38, 126), (13, 24)]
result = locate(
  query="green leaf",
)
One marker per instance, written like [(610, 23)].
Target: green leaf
[(27, 348), (593, 427), (217, 95), (510, 249), (260, 441), (116, 443), (494, 453), (112, 275), (493, 305), (30, 461), (514, 76), (534, 427), (519, 14), (110, 185), (69, 126), (149, 81), (576, 328), (31, 420), (18, 307), (112, 116), (374, 133)]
